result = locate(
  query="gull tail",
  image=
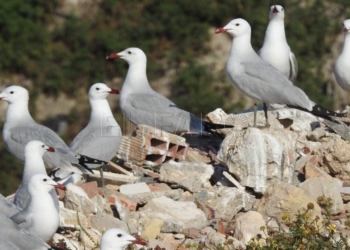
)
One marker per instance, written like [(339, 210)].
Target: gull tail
[(208, 126), (83, 160), (321, 111)]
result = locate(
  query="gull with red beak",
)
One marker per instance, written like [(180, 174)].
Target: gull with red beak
[(142, 105), (117, 239), (40, 217), (275, 49), (33, 164), (257, 79), (341, 67), (101, 137)]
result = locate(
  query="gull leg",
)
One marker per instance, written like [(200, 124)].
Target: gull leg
[(265, 111), (102, 179), (255, 110)]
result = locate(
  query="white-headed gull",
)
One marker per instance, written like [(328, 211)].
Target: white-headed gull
[(40, 218), (12, 237), (341, 67), (117, 239), (275, 49), (142, 105), (257, 79), (20, 128), (33, 164)]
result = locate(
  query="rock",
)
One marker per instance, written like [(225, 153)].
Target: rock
[(76, 199), (233, 198), (176, 214), (152, 228), (258, 157), (136, 188), (70, 244), (191, 176), (285, 199), (215, 239), (194, 155), (248, 225), (326, 187), (143, 198), (158, 187), (316, 134), (103, 222), (69, 219), (345, 194)]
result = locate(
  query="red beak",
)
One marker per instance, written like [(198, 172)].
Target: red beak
[(139, 241), (220, 30), (113, 56), (60, 186), (344, 30), (50, 149), (114, 91), (275, 10)]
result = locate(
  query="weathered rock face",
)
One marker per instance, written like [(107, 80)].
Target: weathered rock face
[(230, 201), (285, 199), (326, 187), (257, 157), (248, 225), (189, 175), (179, 213)]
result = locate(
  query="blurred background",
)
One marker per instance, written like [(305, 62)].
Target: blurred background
[(57, 49)]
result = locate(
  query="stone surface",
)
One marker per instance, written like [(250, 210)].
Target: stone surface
[(128, 203), (229, 202), (69, 218), (258, 157), (76, 199), (152, 228), (178, 213), (285, 199), (326, 187), (143, 198), (92, 239), (103, 222), (248, 225), (189, 175), (135, 188)]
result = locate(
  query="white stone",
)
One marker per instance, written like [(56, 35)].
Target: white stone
[(136, 188)]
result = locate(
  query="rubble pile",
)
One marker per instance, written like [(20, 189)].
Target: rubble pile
[(177, 191)]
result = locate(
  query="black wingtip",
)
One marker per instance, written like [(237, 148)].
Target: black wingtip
[(208, 126), (83, 160), (321, 111)]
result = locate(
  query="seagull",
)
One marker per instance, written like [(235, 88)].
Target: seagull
[(142, 105), (33, 164), (20, 128), (101, 138), (275, 49), (12, 237), (341, 67), (117, 239), (257, 79), (40, 218)]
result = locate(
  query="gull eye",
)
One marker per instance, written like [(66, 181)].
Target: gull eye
[(43, 146), (11, 92), (129, 52), (119, 235), (282, 9), (237, 24), (97, 88), (45, 179)]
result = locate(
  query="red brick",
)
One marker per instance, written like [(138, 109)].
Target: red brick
[(90, 188), (129, 204)]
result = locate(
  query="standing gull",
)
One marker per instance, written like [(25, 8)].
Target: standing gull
[(117, 239), (275, 49), (33, 164), (341, 67), (40, 218), (257, 79), (142, 105), (101, 138), (20, 128)]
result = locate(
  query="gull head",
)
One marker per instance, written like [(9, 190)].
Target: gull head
[(37, 147), (42, 183), (117, 239), (100, 91), (131, 55), (236, 28), (14, 94), (346, 26), (276, 12)]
